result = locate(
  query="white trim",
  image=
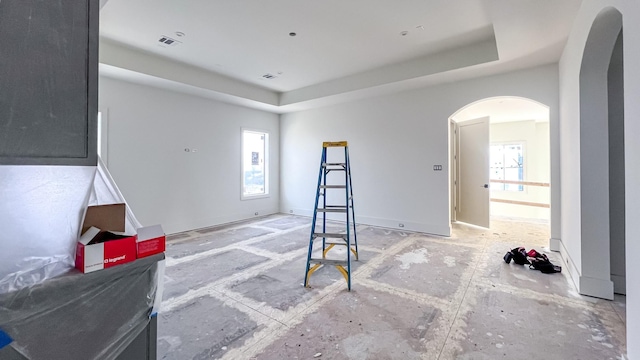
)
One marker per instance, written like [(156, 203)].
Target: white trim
[(599, 288), (385, 223), (267, 163), (569, 266), (619, 284)]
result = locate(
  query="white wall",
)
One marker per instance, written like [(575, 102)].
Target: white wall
[(148, 131), (394, 141), (535, 136), (570, 65)]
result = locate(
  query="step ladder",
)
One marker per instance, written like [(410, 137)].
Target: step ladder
[(347, 237)]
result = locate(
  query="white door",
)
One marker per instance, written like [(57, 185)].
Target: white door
[(473, 172)]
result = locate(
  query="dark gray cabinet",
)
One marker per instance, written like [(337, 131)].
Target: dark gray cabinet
[(48, 82), (101, 315)]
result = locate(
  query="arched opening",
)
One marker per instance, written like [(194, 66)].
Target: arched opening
[(515, 166), (602, 172)]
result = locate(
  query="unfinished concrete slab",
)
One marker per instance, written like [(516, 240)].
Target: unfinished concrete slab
[(619, 305), (498, 272), (431, 268), (534, 233), (438, 298), (361, 324), (282, 287), (186, 276), (495, 324), (214, 241), (204, 328), (179, 236), (286, 242), (287, 222), (380, 238)]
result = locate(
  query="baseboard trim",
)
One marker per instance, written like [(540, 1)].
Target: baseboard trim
[(385, 223), (596, 287), (619, 284), (569, 266)]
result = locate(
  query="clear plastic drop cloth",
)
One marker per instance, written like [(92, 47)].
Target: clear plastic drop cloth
[(48, 309), (81, 316)]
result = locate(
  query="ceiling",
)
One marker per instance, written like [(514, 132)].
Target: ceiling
[(341, 50)]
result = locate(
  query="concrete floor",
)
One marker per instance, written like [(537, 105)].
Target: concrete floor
[(235, 292)]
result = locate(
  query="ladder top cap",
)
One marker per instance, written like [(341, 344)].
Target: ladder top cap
[(334, 144)]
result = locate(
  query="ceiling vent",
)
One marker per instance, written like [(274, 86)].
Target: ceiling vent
[(165, 40), (269, 76)]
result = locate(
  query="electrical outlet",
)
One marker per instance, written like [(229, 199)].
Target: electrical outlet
[(256, 214), (437, 167)]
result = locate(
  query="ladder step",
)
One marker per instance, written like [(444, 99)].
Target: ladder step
[(333, 210), (328, 262), (334, 144), (329, 235), (334, 164), (343, 243), (333, 186)]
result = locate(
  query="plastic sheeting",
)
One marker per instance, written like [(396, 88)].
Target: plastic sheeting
[(49, 310), (105, 191), (81, 316), (41, 209)]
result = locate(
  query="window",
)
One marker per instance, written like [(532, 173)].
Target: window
[(103, 137), (507, 164), (255, 179), (99, 133)]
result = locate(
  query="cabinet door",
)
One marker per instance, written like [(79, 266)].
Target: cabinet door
[(48, 82)]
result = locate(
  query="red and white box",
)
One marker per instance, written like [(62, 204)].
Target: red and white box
[(103, 243), (151, 241), (97, 250)]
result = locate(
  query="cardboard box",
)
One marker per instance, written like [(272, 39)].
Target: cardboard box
[(103, 243), (151, 240)]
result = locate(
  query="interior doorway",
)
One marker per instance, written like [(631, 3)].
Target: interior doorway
[(517, 168)]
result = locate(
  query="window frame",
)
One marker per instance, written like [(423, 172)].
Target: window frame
[(521, 188), (266, 194)]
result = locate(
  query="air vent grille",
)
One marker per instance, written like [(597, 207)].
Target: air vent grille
[(165, 40)]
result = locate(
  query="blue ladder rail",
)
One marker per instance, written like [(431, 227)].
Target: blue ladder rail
[(343, 239)]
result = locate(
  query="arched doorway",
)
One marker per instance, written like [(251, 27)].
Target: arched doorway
[(602, 169), (517, 161)]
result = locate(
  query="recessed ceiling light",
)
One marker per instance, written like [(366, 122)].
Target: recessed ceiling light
[(420, 27), (292, 34), (180, 34), (404, 33)]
